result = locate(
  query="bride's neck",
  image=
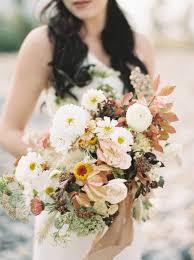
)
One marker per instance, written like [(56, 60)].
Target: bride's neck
[(93, 27)]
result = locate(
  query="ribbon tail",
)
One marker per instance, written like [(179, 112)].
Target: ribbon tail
[(117, 237)]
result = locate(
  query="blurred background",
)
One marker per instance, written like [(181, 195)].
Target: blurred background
[(170, 25)]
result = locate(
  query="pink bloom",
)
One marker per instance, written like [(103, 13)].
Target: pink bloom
[(113, 155)]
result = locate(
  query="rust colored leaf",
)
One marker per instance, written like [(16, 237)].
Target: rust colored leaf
[(121, 121), (156, 84), (169, 116), (83, 200), (164, 135), (157, 146), (169, 106), (168, 128), (154, 129), (119, 111), (166, 91), (153, 110)]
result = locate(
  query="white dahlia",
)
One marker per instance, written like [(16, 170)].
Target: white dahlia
[(28, 168), (123, 138), (105, 127), (69, 123), (138, 117), (92, 98)]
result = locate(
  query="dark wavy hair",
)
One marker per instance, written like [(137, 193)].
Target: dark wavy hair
[(69, 50)]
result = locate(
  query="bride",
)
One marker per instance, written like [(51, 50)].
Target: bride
[(53, 57)]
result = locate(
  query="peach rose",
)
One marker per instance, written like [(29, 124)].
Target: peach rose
[(113, 155)]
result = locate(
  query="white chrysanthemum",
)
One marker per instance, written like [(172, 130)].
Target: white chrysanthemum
[(105, 127), (69, 123), (28, 168), (123, 138), (116, 191), (92, 98), (138, 117)]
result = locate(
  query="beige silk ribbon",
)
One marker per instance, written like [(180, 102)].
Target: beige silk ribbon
[(117, 237)]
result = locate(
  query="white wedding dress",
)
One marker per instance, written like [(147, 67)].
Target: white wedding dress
[(77, 248)]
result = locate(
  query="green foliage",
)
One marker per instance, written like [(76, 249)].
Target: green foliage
[(161, 182), (76, 225), (119, 174), (12, 201)]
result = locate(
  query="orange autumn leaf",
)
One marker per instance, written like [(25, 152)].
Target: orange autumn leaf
[(166, 91), (156, 84), (169, 106), (154, 110), (121, 121), (75, 202), (154, 129), (119, 111), (168, 128), (164, 135), (83, 200), (157, 146), (169, 116)]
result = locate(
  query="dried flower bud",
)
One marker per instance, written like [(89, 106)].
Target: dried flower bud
[(37, 206)]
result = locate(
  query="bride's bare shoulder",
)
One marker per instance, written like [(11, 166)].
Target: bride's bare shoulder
[(145, 50), (37, 41)]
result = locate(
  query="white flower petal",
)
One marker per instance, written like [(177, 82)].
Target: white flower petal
[(138, 117)]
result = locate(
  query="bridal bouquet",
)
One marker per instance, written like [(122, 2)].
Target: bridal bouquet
[(94, 158)]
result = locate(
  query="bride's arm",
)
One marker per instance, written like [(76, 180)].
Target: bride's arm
[(30, 78)]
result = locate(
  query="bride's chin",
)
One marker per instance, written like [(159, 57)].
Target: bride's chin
[(85, 15)]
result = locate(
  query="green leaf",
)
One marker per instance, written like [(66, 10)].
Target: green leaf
[(119, 174), (147, 205), (161, 182), (74, 187)]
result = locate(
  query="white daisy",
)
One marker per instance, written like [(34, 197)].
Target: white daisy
[(92, 98), (43, 186), (28, 168), (49, 188), (105, 127), (69, 123), (123, 138)]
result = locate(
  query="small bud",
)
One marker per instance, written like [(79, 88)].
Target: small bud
[(37, 206)]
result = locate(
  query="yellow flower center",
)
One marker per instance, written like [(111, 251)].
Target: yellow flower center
[(49, 190), (93, 100), (32, 166), (93, 140), (121, 140), (70, 120), (82, 171), (107, 128)]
